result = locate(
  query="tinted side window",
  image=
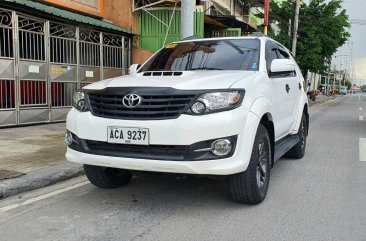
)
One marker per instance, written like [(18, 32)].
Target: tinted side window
[(275, 51), (271, 54), (282, 54)]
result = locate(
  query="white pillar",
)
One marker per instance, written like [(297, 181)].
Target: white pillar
[(187, 18)]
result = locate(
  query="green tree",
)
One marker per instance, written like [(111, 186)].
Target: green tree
[(348, 84), (323, 28)]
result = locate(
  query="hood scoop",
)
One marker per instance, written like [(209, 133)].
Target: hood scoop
[(162, 73)]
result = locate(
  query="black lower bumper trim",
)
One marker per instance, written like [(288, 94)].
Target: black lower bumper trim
[(154, 152)]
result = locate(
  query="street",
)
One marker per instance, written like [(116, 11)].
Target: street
[(319, 197)]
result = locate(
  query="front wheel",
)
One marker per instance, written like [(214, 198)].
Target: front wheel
[(106, 177), (251, 186)]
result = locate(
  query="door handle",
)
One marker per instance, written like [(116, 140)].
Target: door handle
[(299, 86), (287, 88)]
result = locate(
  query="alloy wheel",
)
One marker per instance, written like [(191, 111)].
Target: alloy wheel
[(303, 134), (262, 163)]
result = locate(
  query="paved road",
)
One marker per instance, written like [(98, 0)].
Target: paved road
[(320, 197)]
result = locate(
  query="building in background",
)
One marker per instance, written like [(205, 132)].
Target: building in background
[(50, 48), (160, 20)]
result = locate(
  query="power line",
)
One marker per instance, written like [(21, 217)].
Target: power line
[(357, 21)]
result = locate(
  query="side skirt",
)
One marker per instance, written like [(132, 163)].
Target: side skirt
[(284, 145)]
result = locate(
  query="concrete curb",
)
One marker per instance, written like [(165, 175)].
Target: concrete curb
[(40, 178), (315, 103)]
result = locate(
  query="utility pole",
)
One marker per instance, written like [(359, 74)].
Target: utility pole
[(266, 15), (315, 84), (334, 79), (296, 26), (187, 18), (328, 80), (289, 27)]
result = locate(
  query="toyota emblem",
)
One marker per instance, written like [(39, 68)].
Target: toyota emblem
[(131, 100)]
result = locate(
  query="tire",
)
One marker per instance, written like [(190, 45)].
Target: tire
[(250, 186), (298, 151), (107, 177)]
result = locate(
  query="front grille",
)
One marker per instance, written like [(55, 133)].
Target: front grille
[(159, 152), (165, 106)]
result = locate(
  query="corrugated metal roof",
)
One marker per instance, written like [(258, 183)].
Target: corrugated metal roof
[(75, 17)]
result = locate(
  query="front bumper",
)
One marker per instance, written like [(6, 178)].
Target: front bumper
[(183, 131), (197, 151)]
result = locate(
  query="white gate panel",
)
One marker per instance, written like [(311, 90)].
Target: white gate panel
[(60, 73), (7, 69), (110, 73), (34, 115), (7, 117), (31, 70)]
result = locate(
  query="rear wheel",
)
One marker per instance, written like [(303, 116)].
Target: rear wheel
[(107, 177), (251, 186), (298, 151)]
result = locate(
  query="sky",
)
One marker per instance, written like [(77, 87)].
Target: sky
[(356, 47), (352, 56)]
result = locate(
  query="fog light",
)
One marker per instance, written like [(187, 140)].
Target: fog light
[(221, 147), (68, 138)]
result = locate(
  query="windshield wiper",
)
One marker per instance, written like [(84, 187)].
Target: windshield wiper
[(204, 68)]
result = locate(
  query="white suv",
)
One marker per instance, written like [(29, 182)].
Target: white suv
[(222, 106)]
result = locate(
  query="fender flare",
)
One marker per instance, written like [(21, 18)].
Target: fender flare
[(261, 106), (303, 106)]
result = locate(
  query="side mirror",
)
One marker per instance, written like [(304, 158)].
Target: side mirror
[(133, 69), (282, 66)]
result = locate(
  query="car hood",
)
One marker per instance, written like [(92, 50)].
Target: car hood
[(188, 80)]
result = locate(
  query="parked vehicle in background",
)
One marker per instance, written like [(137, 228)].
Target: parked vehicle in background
[(343, 90), (226, 107)]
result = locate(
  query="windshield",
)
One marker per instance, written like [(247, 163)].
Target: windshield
[(223, 54)]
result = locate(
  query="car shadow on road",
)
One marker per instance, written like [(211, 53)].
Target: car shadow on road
[(169, 191)]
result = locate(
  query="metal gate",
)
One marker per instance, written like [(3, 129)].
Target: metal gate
[(7, 69), (43, 62)]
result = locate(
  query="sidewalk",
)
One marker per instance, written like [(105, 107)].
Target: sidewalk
[(320, 99), (32, 157)]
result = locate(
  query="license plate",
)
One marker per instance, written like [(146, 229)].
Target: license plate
[(128, 135)]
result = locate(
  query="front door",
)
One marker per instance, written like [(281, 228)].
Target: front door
[(285, 90)]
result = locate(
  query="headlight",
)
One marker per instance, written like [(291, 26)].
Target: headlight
[(79, 101), (217, 101)]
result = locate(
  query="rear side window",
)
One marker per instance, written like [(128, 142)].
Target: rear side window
[(282, 54), (272, 54)]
